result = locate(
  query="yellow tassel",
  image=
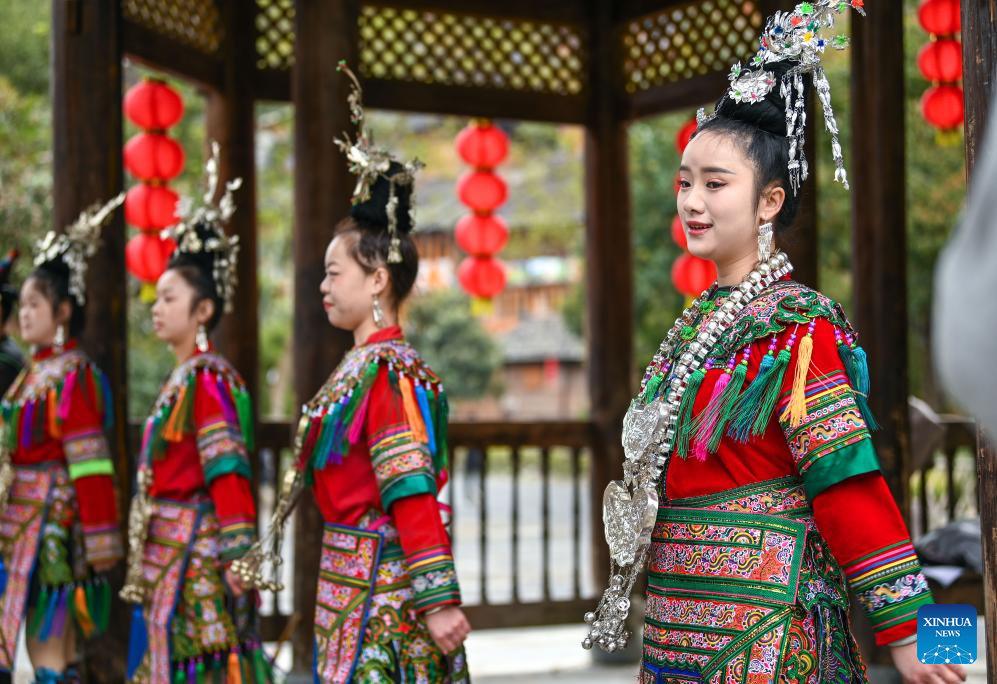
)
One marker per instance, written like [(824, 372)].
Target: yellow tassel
[(234, 673), (798, 398), (83, 618), (53, 416), (412, 412)]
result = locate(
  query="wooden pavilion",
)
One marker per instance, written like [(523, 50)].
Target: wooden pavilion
[(595, 63)]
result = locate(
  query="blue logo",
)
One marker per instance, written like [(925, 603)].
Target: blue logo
[(946, 634)]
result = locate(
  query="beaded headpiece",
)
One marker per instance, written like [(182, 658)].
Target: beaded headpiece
[(76, 245), (795, 36), (201, 229), (370, 163)]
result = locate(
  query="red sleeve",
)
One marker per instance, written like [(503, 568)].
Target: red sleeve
[(90, 467), (225, 461), (403, 467)]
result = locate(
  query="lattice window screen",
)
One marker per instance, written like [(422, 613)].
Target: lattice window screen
[(689, 40), (274, 34), (195, 23), (465, 50)]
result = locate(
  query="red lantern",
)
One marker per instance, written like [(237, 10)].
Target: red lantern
[(691, 275), (151, 207), (153, 104), (483, 191), (481, 235), (678, 233), (941, 17), (482, 277), (146, 256), (685, 135), (151, 156), (942, 106), (482, 146), (941, 60)]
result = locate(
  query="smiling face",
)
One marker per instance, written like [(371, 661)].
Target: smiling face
[(347, 289), (718, 200)]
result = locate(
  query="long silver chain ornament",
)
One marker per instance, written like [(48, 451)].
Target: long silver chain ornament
[(630, 505)]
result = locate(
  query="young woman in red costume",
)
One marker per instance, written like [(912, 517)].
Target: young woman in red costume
[(372, 446), (750, 468), (193, 513), (58, 512)]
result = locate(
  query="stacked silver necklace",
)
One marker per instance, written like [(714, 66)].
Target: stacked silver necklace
[(630, 506)]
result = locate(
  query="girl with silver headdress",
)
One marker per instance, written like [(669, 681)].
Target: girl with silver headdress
[(372, 446), (752, 490), (58, 516), (193, 513)]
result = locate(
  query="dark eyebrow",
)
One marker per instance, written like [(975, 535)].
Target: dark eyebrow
[(709, 169)]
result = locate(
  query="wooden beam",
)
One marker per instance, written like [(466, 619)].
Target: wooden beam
[(87, 167), (692, 92), (554, 11), (326, 33), (879, 254), (231, 122), (979, 40), (608, 269), (159, 52)]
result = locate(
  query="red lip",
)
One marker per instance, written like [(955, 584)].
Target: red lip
[(326, 305), (697, 225)]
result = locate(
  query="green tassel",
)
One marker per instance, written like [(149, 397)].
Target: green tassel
[(38, 614), (179, 676), (651, 389), (244, 409), (104, 606), (245, 669), (723, 407), (684, 421), (260, 668), (745, 410), (200, 672), (393, 379), (442, 419), (772, 391), (857, 367)]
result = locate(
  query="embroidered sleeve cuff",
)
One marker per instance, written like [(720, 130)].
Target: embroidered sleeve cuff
[(102, 543), (890, 587), (222, 451), (848, 461), (235, 539), (434, 579), (402, 466), (87, 453)]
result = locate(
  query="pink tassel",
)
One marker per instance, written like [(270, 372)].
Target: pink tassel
[(65, 400), (359, 419), (701, 440)]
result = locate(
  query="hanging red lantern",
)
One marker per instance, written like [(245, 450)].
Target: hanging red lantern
[(941, 17), (481, 235), (942, 106), (691, 275), (482, 277), (152, 104), (678, 233), (146, 256), (941, 60), (685, 135), (482, 191), (482, 145), (151, 207), (152, 156)]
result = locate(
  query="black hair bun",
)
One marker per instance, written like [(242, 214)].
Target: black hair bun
[(203, 259), (768, 114), (375, 210)]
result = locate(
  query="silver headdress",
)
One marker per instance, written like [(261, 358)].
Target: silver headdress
[(369, 163), (77, 244), (796, 36), (211, 217)]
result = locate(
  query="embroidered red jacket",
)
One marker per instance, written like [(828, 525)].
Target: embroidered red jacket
[(56, 413), (205, 452), (829, 446), (387, 470)]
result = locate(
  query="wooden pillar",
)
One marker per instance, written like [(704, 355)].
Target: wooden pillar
[(608, 269), (231, 122), (87, 168), (979, 40), (879, 253), (326, 32)]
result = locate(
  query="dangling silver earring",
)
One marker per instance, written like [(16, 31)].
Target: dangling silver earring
[(378, 312), (201, 340), (60, 339), (764, 241)]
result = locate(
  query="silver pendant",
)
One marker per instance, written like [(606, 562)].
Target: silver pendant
[(640, 427), (628, 516)]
